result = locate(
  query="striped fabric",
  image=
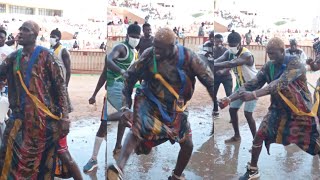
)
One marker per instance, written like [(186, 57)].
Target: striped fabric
[(149, 127), (281, 124), (31, 137)]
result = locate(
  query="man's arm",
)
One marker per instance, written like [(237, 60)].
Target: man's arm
[(5, 65), (59, 85), (118, 51), (67, 63), (222, 58), (314, 64), (101, 82), (134, 73), (255, 84), (245, 58), (295, 69), (203, 73)]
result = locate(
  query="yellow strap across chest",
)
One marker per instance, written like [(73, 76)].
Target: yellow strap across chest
[(170, 89), (36, 101), (239, 68), (57, 51), (297, 111)]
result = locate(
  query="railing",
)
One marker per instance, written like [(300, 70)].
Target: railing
[(93, 61), (87, 61)]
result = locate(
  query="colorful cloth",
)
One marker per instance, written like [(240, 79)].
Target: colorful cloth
[(149, 126), (148, 123), (282, 125), (31, 137)]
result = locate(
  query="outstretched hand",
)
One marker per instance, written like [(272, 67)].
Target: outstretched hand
[(224, 102)]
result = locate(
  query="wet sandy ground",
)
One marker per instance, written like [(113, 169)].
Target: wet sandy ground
[(211, 159)]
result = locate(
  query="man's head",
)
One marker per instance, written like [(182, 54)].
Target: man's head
[(3, 35), (275, 50), (55, 37), (163, 43), (293, 44), (202, 24), (218, 40), (234, 41), (211, 36), (146, 28), (133, 35), (249, 30), (28, 33)]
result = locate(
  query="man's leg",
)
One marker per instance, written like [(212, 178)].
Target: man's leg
[(65, 157), (183, 157), (116, 171), (102, 132), (235, 124), (251, 122), (248, 110), (130, 143), (261, 135), (233, 110), (115, 99), (72, 166), (121, 129), (228, 85), (252, 168)]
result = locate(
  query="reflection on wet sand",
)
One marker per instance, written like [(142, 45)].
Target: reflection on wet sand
[(212, 158), (213, 162)]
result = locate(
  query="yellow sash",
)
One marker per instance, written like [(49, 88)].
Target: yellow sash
[(172, 91), (56, 52), (36, 101), (239, 69), (297, 111)]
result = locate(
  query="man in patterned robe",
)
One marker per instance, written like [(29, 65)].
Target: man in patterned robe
[(39, 119)]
